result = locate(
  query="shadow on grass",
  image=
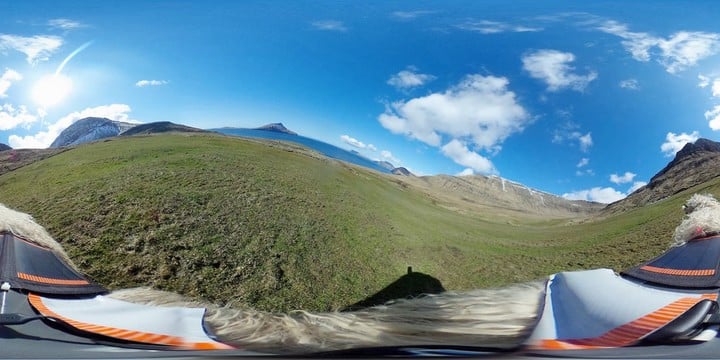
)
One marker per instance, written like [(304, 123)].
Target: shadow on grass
[(412, 284)]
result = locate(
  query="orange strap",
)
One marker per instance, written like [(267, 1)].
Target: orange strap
[(679, 272), (52, 281)]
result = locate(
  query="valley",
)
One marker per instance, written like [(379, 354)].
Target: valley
[(276, 226)]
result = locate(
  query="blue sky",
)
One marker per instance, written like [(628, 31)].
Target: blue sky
[(587, 101)]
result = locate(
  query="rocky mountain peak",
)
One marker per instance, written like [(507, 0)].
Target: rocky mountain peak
[(402, 171), (689, 150), (698, 146), (694, 164), (90, 129)]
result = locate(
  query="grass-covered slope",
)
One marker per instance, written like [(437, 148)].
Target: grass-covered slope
[(278, 228)]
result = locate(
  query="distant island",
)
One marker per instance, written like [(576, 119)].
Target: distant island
[(278, 131), (276, 127)]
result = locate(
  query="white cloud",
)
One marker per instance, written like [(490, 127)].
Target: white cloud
[(36, 48), (526, 29), (116, 112), (713, 116), (678, 52), (638, 44), (466, 172), (607, 194), (553, 67), (43, 139), (460, 154), (622, 179), (371, 147), (714, 84), (387, 155), (65, 24), (602, 195), (11, 117), (6, 81), (586, 142), (329, 25), (143, 83), (409, 15), (353, 142), (409, 79), (583, 162), (494, 27), (568, 132), (37, 141), (704, 80), (480, 108), (685, 49), (479, 111), (636, 185), (716, 88), (630, 84), (675, 142)]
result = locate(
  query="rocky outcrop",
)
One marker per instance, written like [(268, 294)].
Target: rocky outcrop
[(90, 129), (694, 164)]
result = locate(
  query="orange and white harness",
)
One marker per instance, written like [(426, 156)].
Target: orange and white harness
[(599, 309), (178, 327)]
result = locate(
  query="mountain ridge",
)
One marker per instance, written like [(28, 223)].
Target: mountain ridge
[(90, 129), (475, 193), (690, 149), (481, 193), (696, 159), (694, 164), (159, 127)]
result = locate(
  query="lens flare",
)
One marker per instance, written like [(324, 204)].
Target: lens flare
[(51, 90), (72, 55)]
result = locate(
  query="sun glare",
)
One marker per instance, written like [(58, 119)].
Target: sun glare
[(51, 90)]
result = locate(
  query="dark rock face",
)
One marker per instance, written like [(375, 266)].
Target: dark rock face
[(688, 151), (694, 164), (4, 147), (402, 171), (699, 145)]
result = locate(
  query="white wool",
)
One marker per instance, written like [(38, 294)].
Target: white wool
[(702, 218), (488, 317)]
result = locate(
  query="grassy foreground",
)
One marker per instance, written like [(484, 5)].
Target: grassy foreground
[(239, 222)]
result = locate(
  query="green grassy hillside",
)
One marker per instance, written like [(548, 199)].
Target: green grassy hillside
[(277, 228)]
